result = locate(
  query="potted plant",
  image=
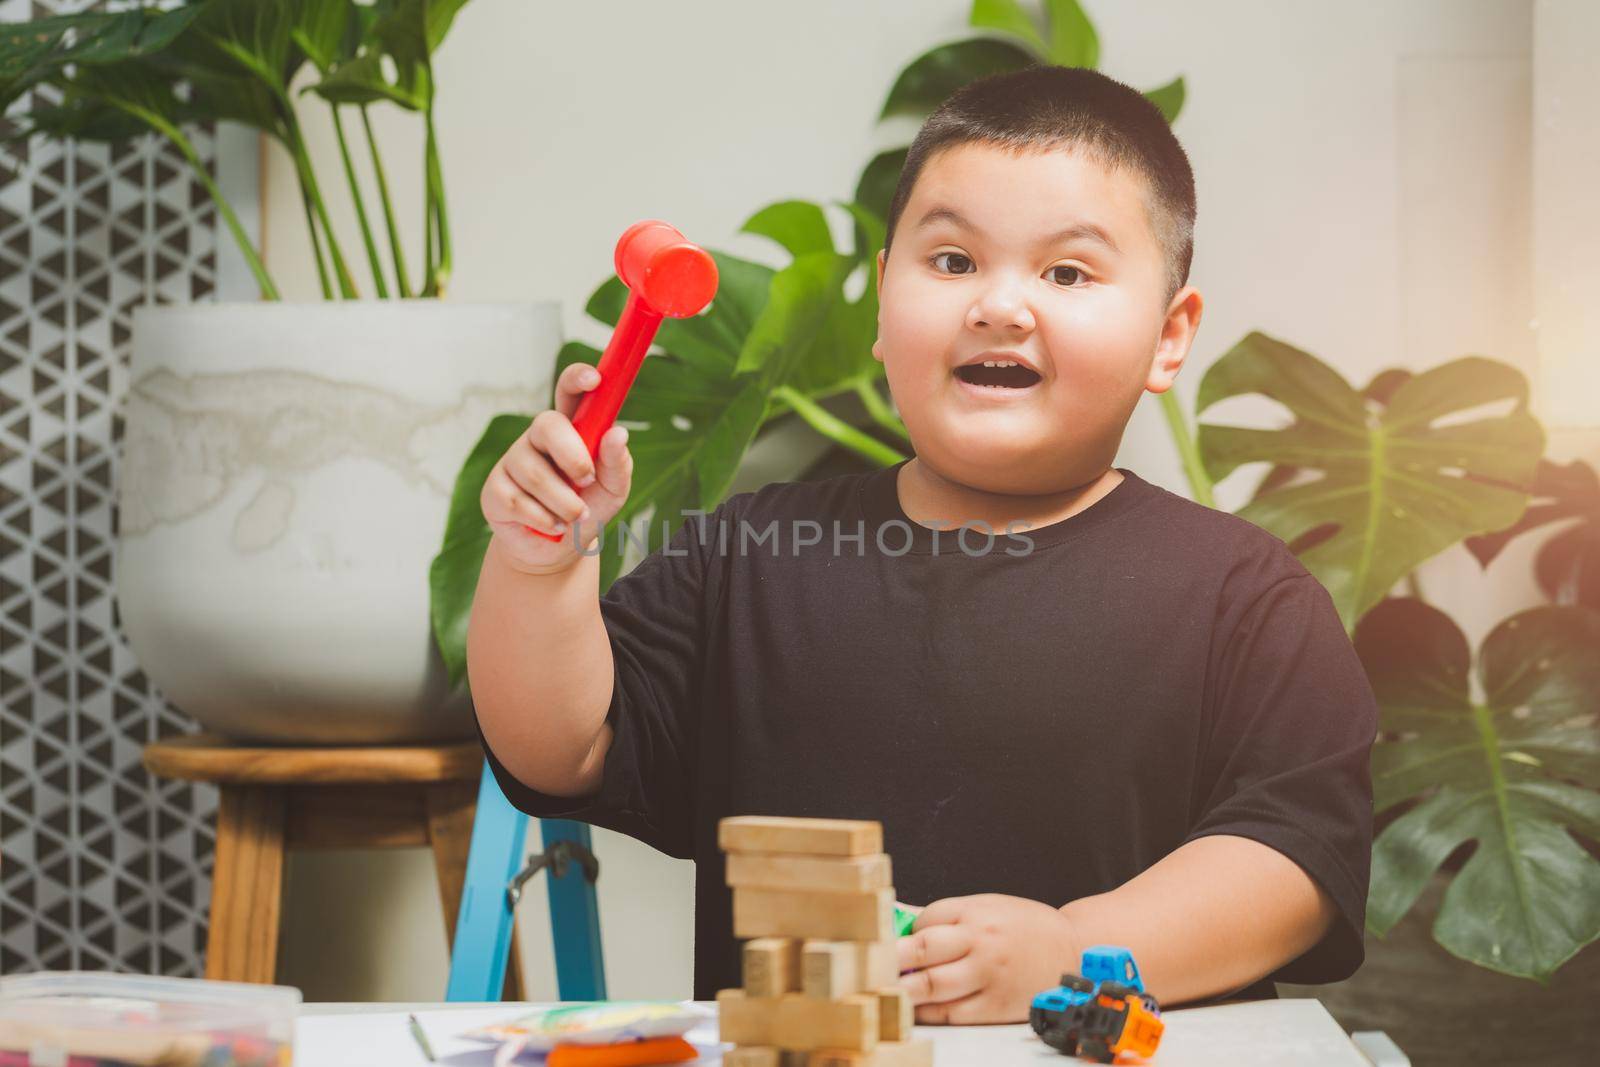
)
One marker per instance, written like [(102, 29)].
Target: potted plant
[(1365, 485), (287, 467)]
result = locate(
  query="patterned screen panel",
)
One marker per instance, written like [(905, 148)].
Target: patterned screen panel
[(101, 866)]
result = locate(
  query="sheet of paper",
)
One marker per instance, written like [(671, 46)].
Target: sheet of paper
[(376, 1037)]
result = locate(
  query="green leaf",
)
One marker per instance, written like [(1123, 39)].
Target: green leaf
[(801, 297), (453, 574), (245, 38), (1514, 775), (934, 75), (875, 189), (1169, 98), (1395, 487), (1008, 17), (869, 230), (1568, 564), (798, 225), (410, 31), (31, 52), (327, 31), (726, 440), (362, 81), (1073, 42)]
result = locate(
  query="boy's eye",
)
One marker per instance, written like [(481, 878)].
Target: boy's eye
[(1068, 279), (934, 259), (1076, 274)]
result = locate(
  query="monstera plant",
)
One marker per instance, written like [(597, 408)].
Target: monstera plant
[(1367, 485), (1364, 484)]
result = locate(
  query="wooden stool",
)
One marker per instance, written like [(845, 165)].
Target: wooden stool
[(273, 799)]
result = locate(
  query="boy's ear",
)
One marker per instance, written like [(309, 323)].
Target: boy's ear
[(1177, 334)]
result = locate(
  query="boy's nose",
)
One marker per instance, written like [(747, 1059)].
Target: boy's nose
[(1002, 305)]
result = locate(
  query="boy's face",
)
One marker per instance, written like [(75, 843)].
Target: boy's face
[(1086, 315)]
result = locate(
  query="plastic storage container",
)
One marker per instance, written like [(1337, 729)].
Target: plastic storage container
[(82, 1019)]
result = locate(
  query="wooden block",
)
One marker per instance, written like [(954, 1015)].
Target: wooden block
[(917, 1053), (751, 1056), (807, 1023), (771, 966), (830, 969), (819, 837), (896, 1015), (842, 874), (879, 963), (865, 916), (747, 1020), (874, 963)]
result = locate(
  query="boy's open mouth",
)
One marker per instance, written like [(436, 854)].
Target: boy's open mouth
[(1015, 376)]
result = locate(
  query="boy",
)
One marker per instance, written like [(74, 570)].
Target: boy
[(1085, 709)]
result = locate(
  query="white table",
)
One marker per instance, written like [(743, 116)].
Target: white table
[(1265, 1032)]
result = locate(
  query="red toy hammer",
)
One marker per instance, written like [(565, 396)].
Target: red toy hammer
[(666, 276)]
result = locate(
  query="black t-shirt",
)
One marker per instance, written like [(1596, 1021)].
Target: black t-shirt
[(1043, 715)]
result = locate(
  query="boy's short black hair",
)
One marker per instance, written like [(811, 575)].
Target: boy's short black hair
[(1047, 107)]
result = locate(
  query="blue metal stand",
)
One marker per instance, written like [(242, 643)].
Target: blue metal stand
[(483, 927)]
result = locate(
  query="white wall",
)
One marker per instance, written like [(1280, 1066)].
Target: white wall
[(1365, 193)]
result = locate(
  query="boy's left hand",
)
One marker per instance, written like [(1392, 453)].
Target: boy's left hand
[(981, 959)]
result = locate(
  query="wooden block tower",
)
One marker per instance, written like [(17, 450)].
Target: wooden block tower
[(813, 900)]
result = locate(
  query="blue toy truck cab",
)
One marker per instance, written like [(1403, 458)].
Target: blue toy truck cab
[(1107, 963)]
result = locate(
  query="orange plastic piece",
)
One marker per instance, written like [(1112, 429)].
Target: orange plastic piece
[(623, 1054), (1141, 1033)]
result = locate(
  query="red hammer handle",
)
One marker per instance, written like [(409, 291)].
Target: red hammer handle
[(619, 366), (666, 276)]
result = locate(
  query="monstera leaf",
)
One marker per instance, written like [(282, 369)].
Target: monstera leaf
[(453, 574), (1398, 482), (1514, 773), (1568, 564)]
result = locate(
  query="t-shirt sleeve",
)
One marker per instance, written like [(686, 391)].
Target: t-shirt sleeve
[(1287, 761), (655, 617)]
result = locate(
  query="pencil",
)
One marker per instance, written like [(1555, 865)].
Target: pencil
[(422, 1038)]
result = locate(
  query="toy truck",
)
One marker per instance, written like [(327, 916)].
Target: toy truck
[(1100, 1013)]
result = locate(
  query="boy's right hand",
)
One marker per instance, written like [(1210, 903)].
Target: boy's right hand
[(526, 487)]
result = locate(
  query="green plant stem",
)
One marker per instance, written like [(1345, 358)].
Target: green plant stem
[(378, 283), (879, 409), (401, 282), (252, 258), (313, 192), (835, 428), (1199, 482), (436, 217), (430, 277), (316, 245)]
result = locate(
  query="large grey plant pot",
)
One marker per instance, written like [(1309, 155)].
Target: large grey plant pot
[(286, 473)]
